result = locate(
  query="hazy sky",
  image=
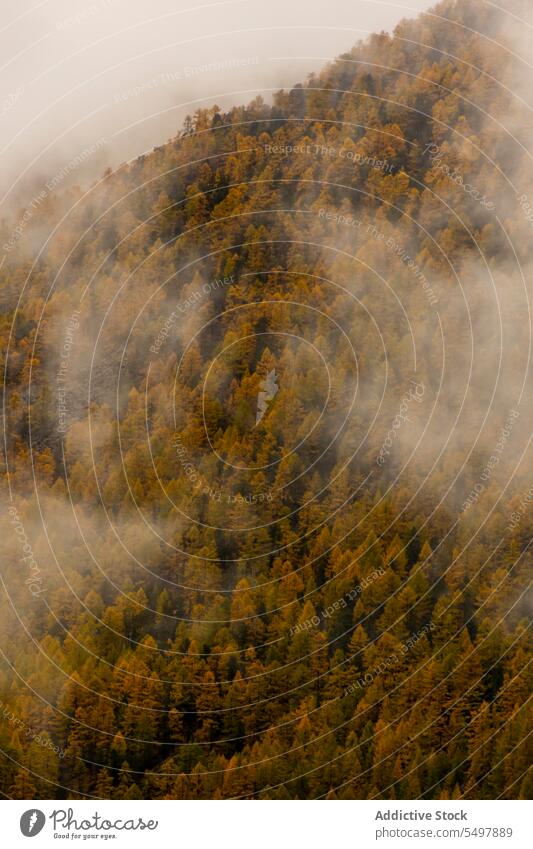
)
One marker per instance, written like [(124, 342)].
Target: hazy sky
[(122, 74)]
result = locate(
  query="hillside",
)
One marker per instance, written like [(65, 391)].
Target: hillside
[(267, 420)]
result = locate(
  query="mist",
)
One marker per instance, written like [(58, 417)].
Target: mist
[(98, 83)]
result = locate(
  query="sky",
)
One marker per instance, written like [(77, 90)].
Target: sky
[(116, 77)]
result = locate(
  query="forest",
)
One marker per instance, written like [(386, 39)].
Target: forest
[(267, 410)]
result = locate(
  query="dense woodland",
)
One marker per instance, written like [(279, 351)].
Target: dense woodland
[(330, 601)]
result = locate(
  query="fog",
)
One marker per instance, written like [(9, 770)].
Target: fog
[(117, 87), (113, 78)]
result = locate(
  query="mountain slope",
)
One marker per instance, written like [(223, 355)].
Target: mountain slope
[(267, 419)]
